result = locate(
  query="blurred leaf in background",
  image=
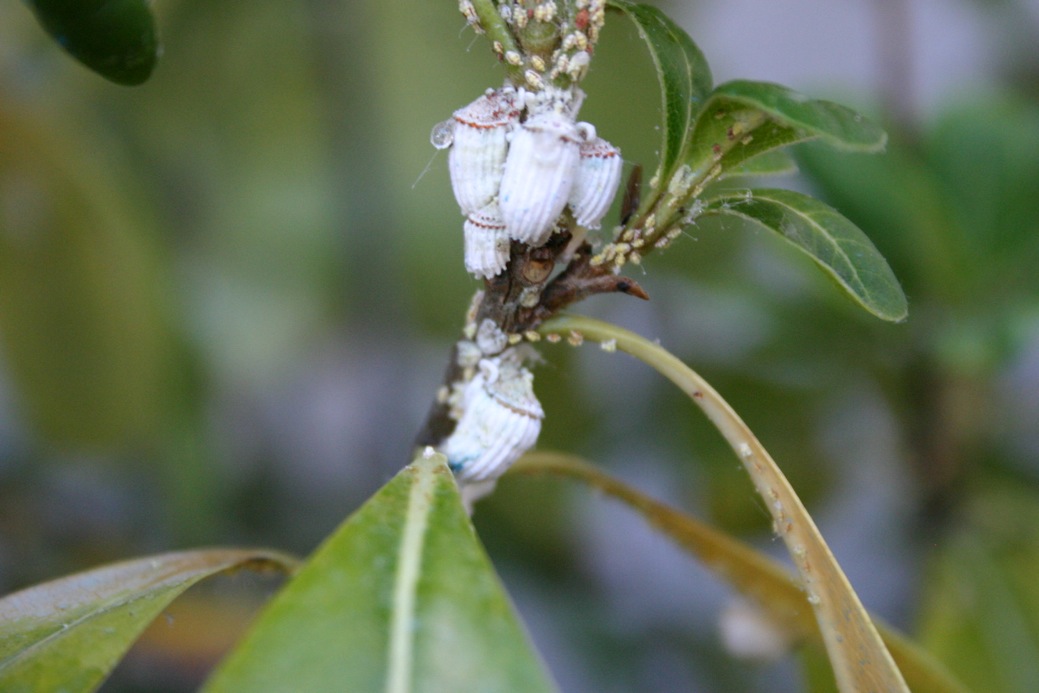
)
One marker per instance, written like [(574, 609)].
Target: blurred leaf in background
[(85, 329), (957, 208)]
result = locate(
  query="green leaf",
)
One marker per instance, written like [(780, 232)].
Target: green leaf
[(758, 577), (966, 193), (771, 163), (401, 597), (114, 38), (684, 76), (837, 125), (67, 635), (837, 245), (743, 119)]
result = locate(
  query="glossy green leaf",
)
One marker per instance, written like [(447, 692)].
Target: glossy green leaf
[(743, 119), (771, 163), (833, 123), (683, 73), (67, 635), (114, 38), (401, 597), (839, 247), (758, 577)]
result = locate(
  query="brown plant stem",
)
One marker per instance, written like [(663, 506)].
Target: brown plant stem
[(521, 298)]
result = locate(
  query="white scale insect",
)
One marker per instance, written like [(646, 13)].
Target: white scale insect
[(479, 143), (500, 420), (539, 173), (598, 177), (522, 175), (486, 242)]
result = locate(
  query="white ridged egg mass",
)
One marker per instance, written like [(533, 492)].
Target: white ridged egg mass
[(479, 147), (486, 242), (500, 420), (539, 173), (598, 177)]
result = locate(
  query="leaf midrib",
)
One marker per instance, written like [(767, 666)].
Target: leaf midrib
[(405, 586), (826, 236)]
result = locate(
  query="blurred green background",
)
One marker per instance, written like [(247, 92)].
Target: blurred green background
[(227, 297)]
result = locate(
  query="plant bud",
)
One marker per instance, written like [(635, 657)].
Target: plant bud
[(539, 173), (500, 420), (486, 242), (598, 176), (480, 143)]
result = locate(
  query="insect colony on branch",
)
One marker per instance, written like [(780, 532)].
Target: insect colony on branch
[(518, 160), (513, 179)]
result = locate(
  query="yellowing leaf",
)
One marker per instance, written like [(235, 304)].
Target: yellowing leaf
[(859, 658)]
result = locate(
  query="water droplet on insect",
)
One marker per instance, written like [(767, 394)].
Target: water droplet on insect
[(443, 134)]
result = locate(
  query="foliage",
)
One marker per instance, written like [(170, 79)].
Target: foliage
[(68, 634), (404, 570), (115, 38), (711, 137)]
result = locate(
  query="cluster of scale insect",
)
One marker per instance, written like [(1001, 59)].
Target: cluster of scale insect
[(517, 159)]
